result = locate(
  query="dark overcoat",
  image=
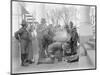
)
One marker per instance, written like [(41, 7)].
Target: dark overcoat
[(23, 36)]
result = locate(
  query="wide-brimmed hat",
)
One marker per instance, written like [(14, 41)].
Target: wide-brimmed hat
[(24, 23)]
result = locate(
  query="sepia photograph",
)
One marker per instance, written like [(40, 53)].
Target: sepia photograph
[(52, 37)]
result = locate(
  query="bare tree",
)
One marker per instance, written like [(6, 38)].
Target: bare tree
[(64, 13)]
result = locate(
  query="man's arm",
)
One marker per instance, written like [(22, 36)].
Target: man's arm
[(17, 34)]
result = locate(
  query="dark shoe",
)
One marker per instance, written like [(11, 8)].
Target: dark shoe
[(71, 61), (24, 64), (30, 62)]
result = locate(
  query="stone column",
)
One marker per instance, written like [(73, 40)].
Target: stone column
[(84, 21), (84, 14)]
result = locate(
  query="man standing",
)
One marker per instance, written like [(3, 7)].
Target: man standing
[(72, 36), (30, 48), (40, 31), (74, 40), (22, 36), (67, 45)]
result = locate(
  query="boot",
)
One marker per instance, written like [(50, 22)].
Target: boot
[(76, 60), (24, 63), (22, 59)]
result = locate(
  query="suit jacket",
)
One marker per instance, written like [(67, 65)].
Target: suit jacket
[(23, 34)]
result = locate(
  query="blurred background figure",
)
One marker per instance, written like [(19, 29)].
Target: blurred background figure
[(70, 25), (40, 33)]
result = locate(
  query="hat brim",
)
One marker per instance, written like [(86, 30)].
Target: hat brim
[(23, 24)]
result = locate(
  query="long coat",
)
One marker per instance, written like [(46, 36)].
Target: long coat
[(30, 48), (74, 40), (23, 36)]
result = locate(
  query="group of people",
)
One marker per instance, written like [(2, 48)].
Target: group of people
[(67, 49), (48, 47)]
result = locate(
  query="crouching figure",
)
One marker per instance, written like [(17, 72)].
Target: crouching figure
[(55, 51)]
